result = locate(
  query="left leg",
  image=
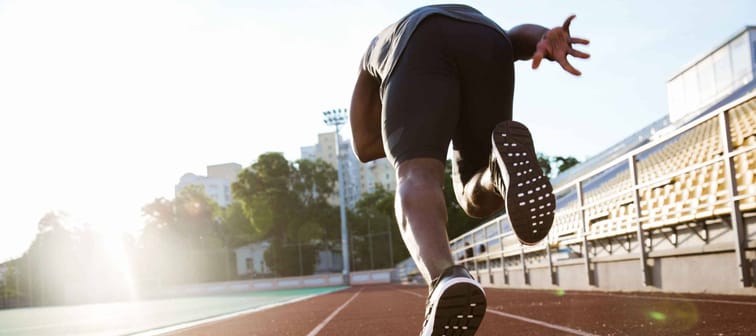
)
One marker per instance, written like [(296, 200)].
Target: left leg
[(476, 194), (487, 88)]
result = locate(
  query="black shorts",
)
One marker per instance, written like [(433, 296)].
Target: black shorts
[(454, 82)]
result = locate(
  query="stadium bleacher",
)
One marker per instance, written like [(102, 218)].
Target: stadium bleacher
[(676, 194), (681, 178)]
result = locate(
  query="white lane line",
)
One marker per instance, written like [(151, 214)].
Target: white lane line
[(187, 325), (333, 314), (525, 319), (541, 323), (412, 293), (746, 303)]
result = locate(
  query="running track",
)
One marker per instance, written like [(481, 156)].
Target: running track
[(398, 310)]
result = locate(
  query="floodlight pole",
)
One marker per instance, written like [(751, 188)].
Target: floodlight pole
[(337, 118)]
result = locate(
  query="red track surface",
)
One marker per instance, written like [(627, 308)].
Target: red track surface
[(398, 310)]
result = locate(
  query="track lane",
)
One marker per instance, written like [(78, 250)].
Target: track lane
[(398, 311), (288, 320)]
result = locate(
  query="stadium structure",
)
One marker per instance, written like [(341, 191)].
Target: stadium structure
[(671, 208)]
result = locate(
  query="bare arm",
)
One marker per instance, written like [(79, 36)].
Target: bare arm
[(365, 118), (536, 42), (524, 39)]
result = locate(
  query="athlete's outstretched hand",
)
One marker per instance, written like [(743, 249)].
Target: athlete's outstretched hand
[(556, 44)]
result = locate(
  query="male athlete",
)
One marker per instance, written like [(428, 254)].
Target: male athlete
[(441, 74)]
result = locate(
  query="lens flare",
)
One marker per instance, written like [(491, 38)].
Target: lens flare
[(560, 292), (679, 316), (657, 316)]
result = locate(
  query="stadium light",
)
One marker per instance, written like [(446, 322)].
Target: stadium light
[(337, 118)]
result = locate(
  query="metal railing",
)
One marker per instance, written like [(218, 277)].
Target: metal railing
[(639, 220)]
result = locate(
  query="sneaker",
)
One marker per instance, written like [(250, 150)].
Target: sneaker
[(519, 179), (456, 304)]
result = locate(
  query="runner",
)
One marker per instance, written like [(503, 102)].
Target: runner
[(441, 74)]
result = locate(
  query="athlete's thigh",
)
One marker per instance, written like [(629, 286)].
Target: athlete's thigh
[(421, 101), (487, 88)]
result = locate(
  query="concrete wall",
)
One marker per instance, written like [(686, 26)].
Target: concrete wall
[(312, 281), (688, 259)]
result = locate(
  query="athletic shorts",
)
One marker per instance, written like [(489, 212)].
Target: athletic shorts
[(453, 83)]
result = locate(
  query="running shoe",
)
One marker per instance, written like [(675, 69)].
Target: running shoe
[(515, 172), (455, 306)]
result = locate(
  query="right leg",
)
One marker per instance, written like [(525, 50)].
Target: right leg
[(421, 112), (421, 214)]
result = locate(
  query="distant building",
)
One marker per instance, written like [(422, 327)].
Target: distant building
[(359, 178), (250, 261), (228, 171), (217, 183)]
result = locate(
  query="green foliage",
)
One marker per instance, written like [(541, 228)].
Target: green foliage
[(10, 288), (196, 215), (376, 240), (266, 193), (237, 227), (286, 203), (562, 163), (545, 162), (184, 240), (459, 221), (565, 163), (67, 259), (291, 259)]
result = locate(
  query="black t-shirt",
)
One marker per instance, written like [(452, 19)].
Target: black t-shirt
[(386, 48)]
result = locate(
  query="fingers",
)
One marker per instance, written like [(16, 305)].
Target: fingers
[(537, 57), (579, 40), (566, 25), (578, 53), (568, 67)]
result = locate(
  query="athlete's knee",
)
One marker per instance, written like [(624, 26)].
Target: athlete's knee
[(416, 188)]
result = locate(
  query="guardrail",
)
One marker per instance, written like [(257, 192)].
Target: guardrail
[(635, 208)]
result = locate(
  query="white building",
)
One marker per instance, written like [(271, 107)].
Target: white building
[(217, 183), (359, 178), (250, 260)]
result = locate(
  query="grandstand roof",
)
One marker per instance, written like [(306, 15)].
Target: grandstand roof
[(711, 51)]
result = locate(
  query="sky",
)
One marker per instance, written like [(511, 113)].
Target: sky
[(104, 105)]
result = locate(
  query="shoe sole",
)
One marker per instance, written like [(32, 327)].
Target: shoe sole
[(459, 309), (529, 195)]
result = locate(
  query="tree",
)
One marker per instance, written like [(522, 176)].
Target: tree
[(286, 203), (565, 163), (183, 240), (265, 192), (9, 286), (196, 215), (237, 227), (71, 262), (545, 162), (377, 242)]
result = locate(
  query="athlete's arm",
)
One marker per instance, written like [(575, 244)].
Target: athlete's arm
[(536, 42), (365, 118)]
